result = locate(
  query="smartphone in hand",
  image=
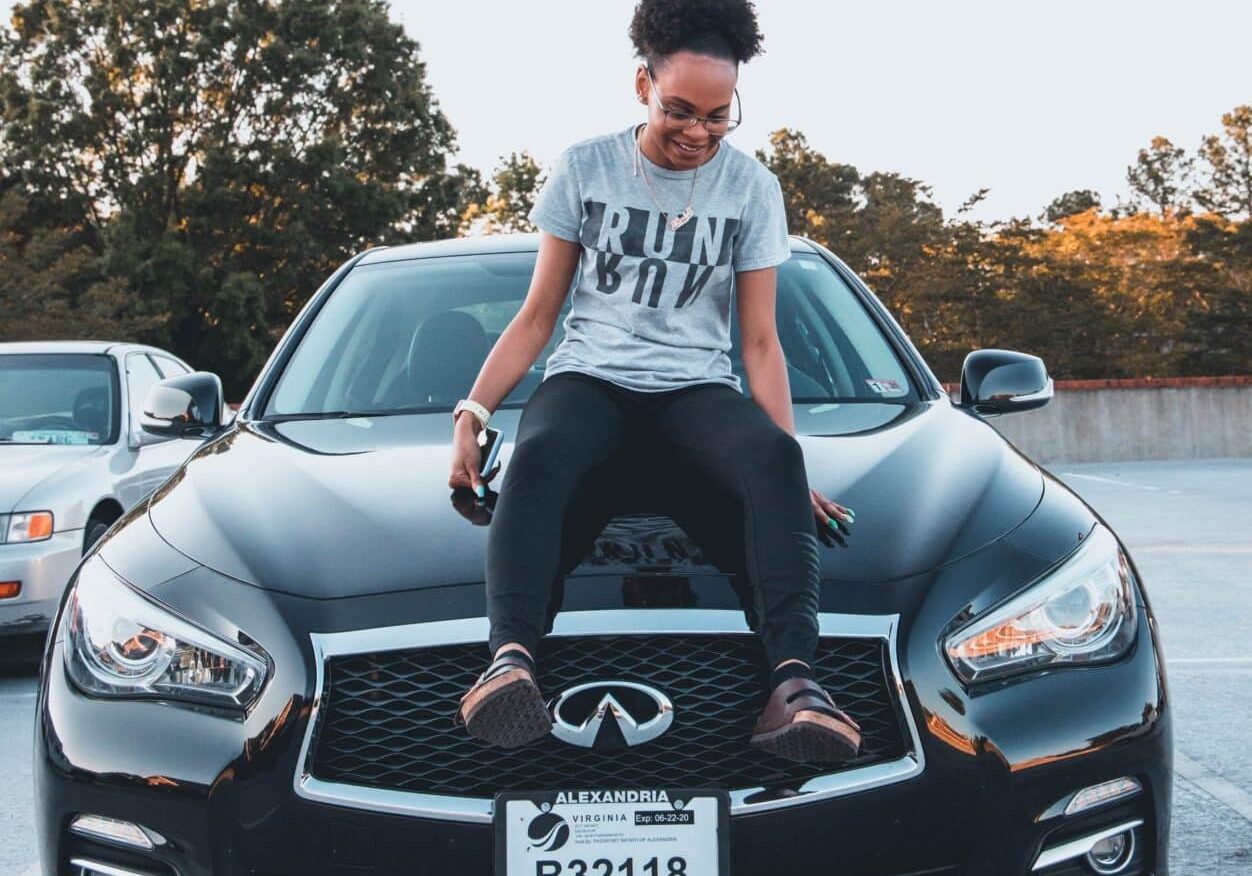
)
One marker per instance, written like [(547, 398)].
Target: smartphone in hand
[(489, 448)]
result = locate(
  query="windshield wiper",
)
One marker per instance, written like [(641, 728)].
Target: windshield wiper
[(344, 415), (312, 415)]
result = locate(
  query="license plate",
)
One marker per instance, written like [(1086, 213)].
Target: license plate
[(617, 832)]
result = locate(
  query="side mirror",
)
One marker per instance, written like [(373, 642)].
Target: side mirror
[(997, 382), (186, 406)]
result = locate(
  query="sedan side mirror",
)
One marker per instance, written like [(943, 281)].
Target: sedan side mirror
[(1003, 381), (186, 406)]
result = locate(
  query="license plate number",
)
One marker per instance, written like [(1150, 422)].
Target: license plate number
[(619, 832)]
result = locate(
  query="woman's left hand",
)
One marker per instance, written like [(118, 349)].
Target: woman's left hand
[(827, 511)]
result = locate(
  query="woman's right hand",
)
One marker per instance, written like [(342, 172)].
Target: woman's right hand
[(466, 455)]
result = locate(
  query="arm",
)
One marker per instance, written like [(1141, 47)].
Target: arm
[(527, 333), (557, 213), (762, 353), (515, 351), (766, 367)]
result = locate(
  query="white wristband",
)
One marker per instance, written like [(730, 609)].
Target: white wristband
[(474, 408)]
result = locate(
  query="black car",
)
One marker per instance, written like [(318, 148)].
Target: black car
[(256, 671)]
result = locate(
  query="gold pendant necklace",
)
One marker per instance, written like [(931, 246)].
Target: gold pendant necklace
[(682, 218)]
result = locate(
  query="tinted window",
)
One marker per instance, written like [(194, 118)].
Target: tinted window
[(412, 336), (58, 399)]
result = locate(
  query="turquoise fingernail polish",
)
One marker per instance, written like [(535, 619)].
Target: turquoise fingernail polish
[(481, 491), (830, 521)]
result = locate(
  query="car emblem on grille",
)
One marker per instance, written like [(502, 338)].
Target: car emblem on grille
[(611, 714)]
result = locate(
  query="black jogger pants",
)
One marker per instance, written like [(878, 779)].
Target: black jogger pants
[(574, 422)]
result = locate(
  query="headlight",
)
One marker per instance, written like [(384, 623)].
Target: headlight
[(1084, 612), (29, 526), (119, 643)]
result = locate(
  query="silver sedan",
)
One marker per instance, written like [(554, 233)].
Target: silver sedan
[(73, 459)]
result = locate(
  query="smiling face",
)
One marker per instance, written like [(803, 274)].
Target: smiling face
[(694, 83)]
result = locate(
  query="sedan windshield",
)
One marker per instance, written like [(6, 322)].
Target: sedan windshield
[(57, 399), (411, 336)]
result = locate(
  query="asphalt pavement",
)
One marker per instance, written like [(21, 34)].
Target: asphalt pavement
[(1186, 524)]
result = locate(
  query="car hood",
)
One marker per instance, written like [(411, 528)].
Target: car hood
[(332, 508), (25, 466)]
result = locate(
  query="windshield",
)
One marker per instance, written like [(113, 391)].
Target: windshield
[(411, 336), (58, 399)]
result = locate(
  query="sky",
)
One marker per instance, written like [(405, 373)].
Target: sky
[(1028, 99)]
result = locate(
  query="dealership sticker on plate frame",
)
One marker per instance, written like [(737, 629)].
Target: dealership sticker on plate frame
[(613, 832)]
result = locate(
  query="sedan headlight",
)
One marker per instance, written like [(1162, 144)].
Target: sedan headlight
[(119, 643), (1083, 612), (29, 526)]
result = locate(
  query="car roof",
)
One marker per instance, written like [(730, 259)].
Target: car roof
[(485, 243), (77, 347), (57, 346)]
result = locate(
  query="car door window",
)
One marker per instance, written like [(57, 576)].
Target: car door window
[(140, 377)]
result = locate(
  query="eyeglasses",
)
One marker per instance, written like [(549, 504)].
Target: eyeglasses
[(680, 120)]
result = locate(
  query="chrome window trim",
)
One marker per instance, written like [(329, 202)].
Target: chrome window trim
[(1077, 847), (743, 801)]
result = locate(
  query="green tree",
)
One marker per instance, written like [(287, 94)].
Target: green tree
[(819, 194), (1070, 204), (1217, 337), (227, 154), (948, 302), (883, 224), (1161, 176), (53, 282), (1228, 160), (505, 205), (893, 233)]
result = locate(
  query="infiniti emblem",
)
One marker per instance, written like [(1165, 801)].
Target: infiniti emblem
[(611, 714)]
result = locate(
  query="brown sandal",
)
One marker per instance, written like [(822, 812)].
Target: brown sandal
[(800, 722), (505, 707)]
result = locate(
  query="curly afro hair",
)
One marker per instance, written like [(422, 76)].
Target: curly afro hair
[(721, 28)]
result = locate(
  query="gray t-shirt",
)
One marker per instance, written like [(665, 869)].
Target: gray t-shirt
[(651, 306)]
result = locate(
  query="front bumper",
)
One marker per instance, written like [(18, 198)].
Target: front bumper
[(226, 794), (44, 568)]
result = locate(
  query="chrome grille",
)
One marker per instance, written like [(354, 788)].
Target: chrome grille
[(386, 718)]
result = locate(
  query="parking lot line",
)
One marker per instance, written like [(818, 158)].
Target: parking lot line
[(1171, 661), (1116, 483), (1204, 550), (1217, 787)]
